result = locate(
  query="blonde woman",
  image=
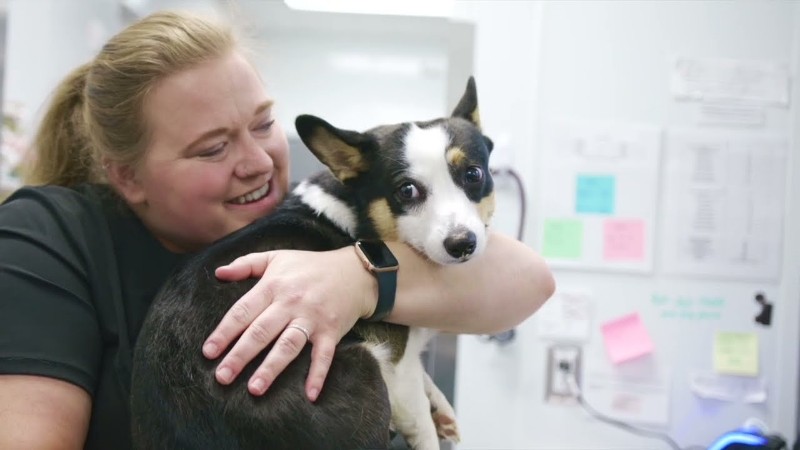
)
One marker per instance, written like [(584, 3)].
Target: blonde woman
[(163, 143)]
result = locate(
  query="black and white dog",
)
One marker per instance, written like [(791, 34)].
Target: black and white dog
[(423, 183)]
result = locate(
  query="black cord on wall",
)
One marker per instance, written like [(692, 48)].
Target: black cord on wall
[(509, 335), (509, 172)]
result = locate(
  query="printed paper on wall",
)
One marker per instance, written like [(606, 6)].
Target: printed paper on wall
[(724, 204)]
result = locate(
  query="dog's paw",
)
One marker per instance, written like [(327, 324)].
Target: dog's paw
[(446, 426)]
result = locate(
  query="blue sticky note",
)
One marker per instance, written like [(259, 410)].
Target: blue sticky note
[(595, 194)]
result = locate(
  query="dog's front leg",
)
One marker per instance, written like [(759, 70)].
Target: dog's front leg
[(442, 412), (411, 409), (405, 383)]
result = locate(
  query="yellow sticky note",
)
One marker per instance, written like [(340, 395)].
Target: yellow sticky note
[(736, 353)]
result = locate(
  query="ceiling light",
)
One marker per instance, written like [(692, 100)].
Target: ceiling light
[(427, 8)]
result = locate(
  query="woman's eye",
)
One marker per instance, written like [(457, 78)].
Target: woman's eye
[(408, 191), (265, 126), (213, 151), (473, 174)]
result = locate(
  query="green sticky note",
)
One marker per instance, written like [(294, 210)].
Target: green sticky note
[(736, 353), (563, 238)]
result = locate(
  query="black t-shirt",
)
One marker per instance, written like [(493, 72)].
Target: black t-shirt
[(78, 271)]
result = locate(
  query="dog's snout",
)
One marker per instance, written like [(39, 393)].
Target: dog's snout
[(461, 244)]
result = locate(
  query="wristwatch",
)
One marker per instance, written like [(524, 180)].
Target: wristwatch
[(380, 261)]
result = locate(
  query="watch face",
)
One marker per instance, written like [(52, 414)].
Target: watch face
[(378, 254)]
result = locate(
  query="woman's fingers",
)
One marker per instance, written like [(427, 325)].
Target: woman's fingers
[(321, 359), (249, 266), (245, 310), (288, 345), (237, 320), (300, 298), (259, 333)]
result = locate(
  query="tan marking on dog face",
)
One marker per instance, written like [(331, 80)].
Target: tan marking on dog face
[(486, 208), (383, 219), (344, 160), (455, 156)]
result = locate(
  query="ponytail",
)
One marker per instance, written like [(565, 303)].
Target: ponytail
[(62, 153)]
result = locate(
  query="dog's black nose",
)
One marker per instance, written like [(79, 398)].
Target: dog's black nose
[(460, 244)]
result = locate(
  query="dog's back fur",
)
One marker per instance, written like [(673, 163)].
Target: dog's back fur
[(176, 401)]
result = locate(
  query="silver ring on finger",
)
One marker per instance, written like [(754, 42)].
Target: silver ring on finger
[(303, 330)]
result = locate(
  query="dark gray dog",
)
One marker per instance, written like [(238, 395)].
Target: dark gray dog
[(423, 183)]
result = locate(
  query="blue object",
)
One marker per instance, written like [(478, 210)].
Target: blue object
[(595, 194), (504, 337), (746, 439)]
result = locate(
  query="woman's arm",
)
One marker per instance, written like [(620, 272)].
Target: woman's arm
[(41, 413), (327, 292), (493, 292)]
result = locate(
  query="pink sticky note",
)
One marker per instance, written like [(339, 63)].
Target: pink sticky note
[(626, 338), (623, 239)]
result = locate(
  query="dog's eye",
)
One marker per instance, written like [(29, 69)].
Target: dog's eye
[(408, 191), (473, 174)]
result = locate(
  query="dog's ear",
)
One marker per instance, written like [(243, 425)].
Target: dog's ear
[(489, 143), (467, 107), (341, 150)]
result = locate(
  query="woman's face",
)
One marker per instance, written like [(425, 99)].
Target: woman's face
[(217, 159)]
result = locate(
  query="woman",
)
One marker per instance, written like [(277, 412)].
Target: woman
[(162, 144)]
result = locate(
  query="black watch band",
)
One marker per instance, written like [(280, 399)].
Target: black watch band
[(387, 287), (380, 261)]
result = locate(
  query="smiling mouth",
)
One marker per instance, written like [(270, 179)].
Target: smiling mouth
[(251, 197)]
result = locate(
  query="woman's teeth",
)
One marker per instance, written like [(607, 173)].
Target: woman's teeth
[(253, 196)]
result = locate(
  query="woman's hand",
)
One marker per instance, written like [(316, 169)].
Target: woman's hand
[(321, 293)]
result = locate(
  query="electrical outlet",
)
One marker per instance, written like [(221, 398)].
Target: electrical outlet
[(563, 364)]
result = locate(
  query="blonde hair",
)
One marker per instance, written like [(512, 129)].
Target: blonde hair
[(96, 112)]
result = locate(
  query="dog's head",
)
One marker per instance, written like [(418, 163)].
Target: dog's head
[(423, 183)]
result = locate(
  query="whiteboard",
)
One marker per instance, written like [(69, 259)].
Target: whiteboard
[(606, 62)]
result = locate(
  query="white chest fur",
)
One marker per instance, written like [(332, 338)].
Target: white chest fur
[(415, 400)]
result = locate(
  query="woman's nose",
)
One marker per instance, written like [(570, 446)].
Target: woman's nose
[(254, 159)]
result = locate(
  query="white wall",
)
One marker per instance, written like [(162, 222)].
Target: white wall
[(355, 71), (598, 60), (45, 40)]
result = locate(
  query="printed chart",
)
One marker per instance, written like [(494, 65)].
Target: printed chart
[(723, 204)]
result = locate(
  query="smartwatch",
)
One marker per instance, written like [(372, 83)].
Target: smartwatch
[(380, 261)]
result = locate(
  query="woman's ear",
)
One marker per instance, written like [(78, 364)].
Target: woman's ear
[(125, 181)]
